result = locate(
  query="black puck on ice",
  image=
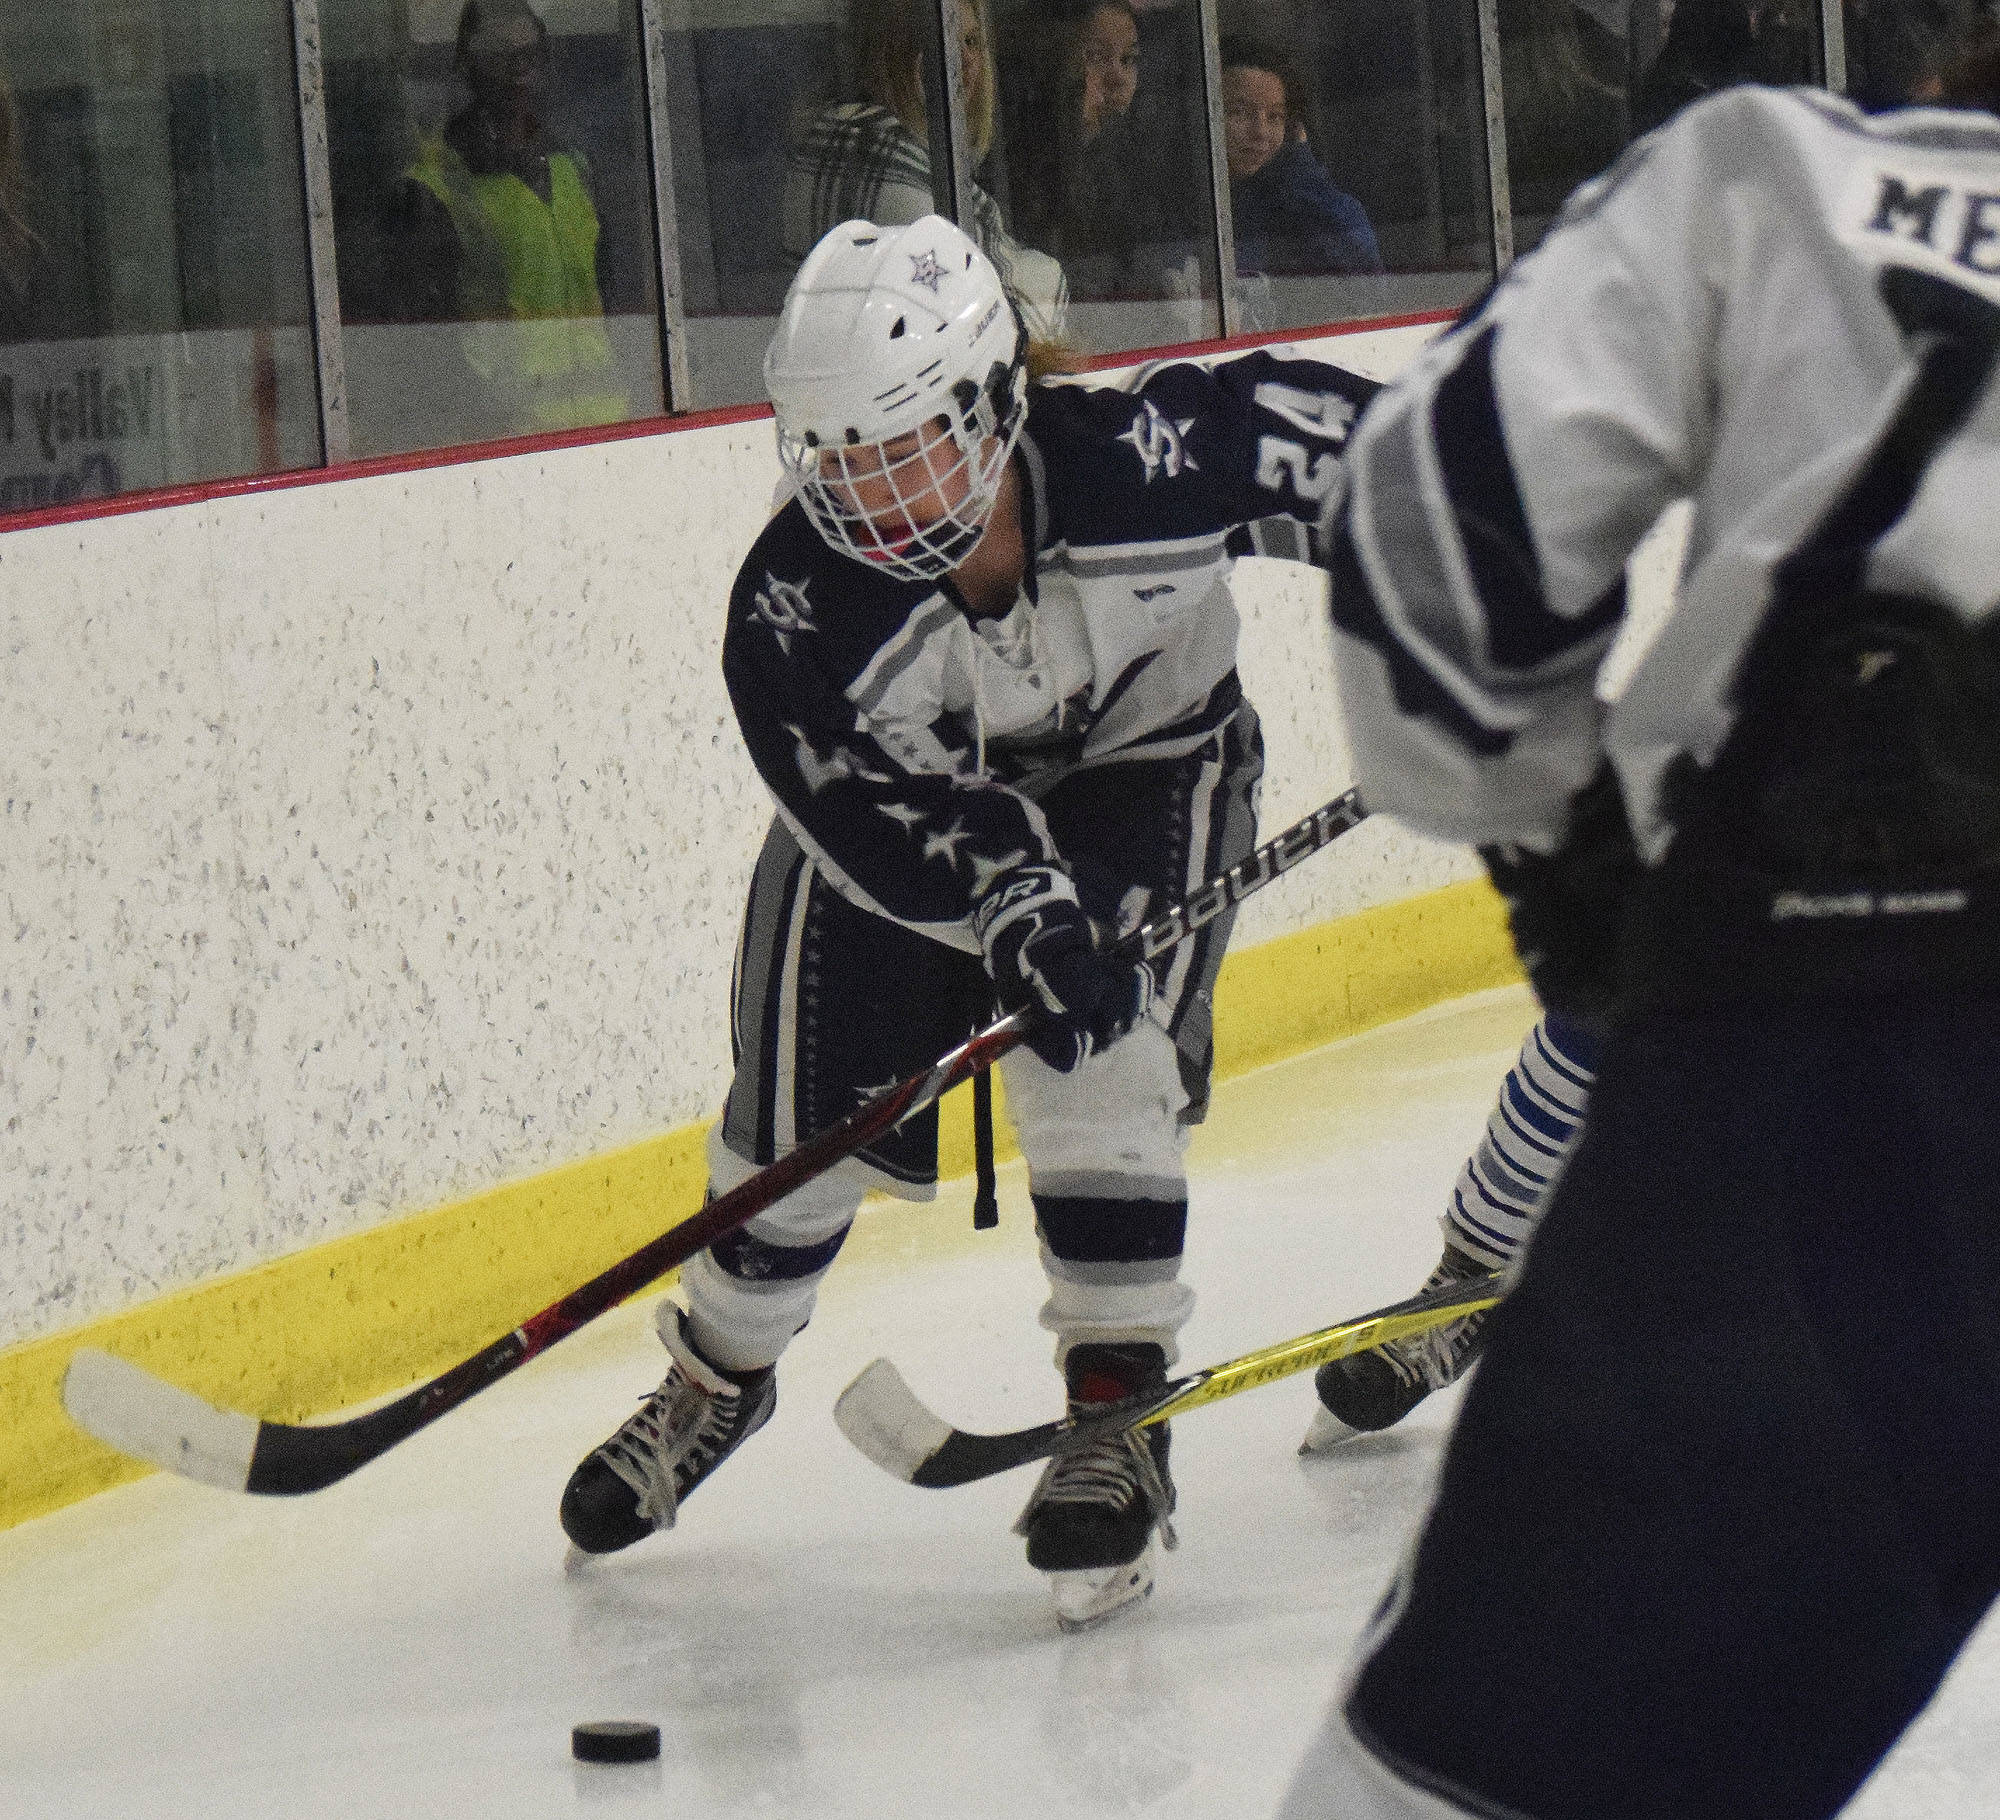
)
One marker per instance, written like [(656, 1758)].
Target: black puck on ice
[(615, 1741)]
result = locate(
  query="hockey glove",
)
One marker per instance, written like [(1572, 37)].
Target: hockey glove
[(1566, 909), (1042, 954)]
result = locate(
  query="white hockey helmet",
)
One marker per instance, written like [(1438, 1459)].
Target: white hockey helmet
[(899, 377)]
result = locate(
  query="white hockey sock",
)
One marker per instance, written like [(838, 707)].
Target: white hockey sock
[(752, 1290)]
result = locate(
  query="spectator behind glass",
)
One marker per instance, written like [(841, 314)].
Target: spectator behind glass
[(1290, 215), (869, 160), (493, 227), (21, 249), (1715, 44), (1082, 180)]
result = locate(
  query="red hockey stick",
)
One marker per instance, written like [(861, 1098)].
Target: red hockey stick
[(130, 1409)]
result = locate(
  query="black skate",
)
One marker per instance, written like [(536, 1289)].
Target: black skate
[(1376, 1390), (635, 1483), (1091, 1520)]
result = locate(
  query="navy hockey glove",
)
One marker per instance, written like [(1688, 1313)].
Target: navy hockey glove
[(1566, 909), (1042, 954)]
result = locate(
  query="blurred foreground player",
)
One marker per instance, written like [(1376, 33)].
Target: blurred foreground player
[(1724, 1500), (985, 662)]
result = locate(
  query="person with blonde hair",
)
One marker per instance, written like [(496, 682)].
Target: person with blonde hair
[(984, 660), (869, 160)]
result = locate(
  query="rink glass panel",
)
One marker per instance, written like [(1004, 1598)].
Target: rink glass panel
[(789, 117), (1099, 161), (1583, 78), (1390, 110), (493, 220), (1895, 48), (153, 291)]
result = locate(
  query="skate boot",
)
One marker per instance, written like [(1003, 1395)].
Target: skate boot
[(1377, 1389), (1091, 1520), (699, 1416)]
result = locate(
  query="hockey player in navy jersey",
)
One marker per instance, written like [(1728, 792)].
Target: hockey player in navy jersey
[(1723, 1502), (985, 663)]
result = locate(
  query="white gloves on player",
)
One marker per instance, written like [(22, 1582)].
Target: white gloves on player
[(1041, 951)]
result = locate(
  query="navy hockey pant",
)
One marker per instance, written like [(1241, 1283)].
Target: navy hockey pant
[(1724, 1498), (834, 1003)]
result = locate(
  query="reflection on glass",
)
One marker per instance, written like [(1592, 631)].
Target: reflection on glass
[(1585, 76), (1564, 65), (153, 293), (492, 218), (1896, 49), (789, 119), (868, 160), (1103, 162), (1708, 45), (1356, 150)]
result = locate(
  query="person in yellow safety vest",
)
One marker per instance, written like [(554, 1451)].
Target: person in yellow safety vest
[(499, 234)]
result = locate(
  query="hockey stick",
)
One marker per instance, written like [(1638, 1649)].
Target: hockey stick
[(139, 1414), (887, 1420)]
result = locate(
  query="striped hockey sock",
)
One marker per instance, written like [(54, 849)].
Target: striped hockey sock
[(1500, 1191)]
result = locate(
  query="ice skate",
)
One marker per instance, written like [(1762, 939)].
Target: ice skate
[(1377, 1389), (1094, 1516), (635, 1483)]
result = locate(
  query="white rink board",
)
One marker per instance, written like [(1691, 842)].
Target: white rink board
[(366, 845)]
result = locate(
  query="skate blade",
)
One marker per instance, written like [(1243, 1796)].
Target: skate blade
[(1087, 1597), (1327, 1432)]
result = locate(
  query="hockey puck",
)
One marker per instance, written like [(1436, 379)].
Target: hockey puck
[(615, 1741)]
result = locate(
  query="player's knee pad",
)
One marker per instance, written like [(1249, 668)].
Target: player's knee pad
[(754, 1288), (812, 1213), (1117, 1114)]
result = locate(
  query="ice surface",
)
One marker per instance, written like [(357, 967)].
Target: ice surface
[(816, 1639)]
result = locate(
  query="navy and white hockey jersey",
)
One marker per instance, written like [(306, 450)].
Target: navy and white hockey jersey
[(904, 740), (1708, 320)]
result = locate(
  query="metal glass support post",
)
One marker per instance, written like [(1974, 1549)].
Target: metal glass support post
[(329, 352), (666, 211), (1499, 186), (1433, 129), (1833, 43), (951, 150), (1209, 18)]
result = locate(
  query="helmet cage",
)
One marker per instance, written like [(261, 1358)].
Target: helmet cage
[(915, 505)]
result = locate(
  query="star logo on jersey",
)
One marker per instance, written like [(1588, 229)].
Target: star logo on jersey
[(945, 846), (986, 873), (902, 815), (926, 271), (1161, 442), (836, 767), (783, 606)]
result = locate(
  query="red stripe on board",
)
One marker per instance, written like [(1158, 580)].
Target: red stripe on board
[(1239, 344), (158, 498)]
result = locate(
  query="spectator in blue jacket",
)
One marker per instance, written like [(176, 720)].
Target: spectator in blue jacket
[(1290, 215)]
